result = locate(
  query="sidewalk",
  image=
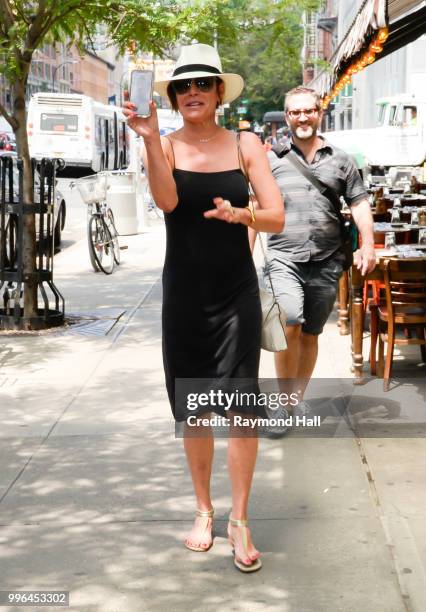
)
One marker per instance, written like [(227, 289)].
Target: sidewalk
[(95, 497)]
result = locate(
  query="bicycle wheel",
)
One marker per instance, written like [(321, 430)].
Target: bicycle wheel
[(90, 244), (109, 219), (101, 244)]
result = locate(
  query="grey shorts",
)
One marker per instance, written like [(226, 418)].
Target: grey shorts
[(306, 291)]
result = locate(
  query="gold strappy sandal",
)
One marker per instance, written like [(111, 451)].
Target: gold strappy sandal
[(255, 565), (205, 514)]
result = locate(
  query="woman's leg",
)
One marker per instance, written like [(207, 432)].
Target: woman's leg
[(242, 453), (199, 448)]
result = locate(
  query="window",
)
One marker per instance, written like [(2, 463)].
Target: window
[(381, 111), (58, 122), (98, 130), (393, 115), (409, 116)]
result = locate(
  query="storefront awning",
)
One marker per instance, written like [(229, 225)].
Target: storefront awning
[(401, 8), (405, 20)]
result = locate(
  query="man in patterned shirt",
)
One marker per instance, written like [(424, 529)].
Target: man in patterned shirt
[(306, 258)]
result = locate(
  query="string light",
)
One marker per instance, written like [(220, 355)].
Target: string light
[(383, 35), (368, 57)]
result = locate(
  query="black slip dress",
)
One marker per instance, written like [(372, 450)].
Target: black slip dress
[(211, 314)]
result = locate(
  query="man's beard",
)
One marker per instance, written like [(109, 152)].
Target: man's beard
[(305, 133)]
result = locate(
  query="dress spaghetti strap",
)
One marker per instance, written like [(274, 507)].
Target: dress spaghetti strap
[(173, 152)]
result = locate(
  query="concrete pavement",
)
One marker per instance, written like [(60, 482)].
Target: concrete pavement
[(95, 497)]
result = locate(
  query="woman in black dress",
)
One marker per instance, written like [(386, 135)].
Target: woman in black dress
[(211, 310)]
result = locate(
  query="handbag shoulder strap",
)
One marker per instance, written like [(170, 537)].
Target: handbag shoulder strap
[(251, 192), (242, 163)]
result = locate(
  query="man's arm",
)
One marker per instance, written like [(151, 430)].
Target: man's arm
[(365, 257)]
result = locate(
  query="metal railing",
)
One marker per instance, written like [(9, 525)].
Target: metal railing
[(50, 308)]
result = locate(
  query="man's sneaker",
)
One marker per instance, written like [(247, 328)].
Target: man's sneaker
[(278, 430)]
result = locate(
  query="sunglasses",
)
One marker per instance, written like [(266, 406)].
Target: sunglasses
[(308, 112), (201, 83)]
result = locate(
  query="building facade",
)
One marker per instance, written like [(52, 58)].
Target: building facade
[(91, 75), (61, 69), (403, 71), (320, 39)]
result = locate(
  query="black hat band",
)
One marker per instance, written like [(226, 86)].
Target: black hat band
[(196, 68)]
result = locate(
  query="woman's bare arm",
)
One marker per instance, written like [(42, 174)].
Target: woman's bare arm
[(158, 168), (269, 206), (156, 157)]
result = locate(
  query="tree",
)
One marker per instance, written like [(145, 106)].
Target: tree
[(268, 54), (25, 25)]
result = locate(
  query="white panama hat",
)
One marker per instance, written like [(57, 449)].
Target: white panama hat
[(202, 61)]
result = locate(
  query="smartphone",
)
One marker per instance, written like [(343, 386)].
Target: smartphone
[(141, 85)]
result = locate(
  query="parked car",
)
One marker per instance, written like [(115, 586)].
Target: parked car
[(7, 142)]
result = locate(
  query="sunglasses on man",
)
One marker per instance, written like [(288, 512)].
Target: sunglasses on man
[(203, 84)]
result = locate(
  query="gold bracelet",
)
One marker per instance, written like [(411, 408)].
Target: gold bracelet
[(251, 211)]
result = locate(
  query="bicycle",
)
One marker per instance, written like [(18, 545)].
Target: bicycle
[(102, 235)]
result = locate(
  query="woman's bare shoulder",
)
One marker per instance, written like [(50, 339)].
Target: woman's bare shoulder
[(250, 139), (251, 146)]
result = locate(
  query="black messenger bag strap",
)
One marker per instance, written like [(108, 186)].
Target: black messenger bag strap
[(293, 158)]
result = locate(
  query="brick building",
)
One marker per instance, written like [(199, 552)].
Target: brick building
[(60, 69)]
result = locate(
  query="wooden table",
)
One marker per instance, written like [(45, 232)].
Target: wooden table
[(343, 321), (357, 311)]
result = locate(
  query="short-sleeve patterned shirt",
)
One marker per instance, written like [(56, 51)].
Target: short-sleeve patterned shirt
[(312, 230)]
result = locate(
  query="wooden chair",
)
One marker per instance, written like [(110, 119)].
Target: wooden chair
[(404, 308)]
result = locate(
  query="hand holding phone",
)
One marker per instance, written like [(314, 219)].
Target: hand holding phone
[(141, 87)]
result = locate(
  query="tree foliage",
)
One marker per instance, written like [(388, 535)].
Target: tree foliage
[(155, 25), (268, 52)]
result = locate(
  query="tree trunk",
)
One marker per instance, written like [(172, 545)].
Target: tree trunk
[(29, 233)]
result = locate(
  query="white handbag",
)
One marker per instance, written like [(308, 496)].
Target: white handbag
[(273, 315), (273, 323)]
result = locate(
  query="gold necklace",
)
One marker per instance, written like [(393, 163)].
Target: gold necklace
[(208, 139)]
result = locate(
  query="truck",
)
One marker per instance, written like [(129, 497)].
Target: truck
[(396, 148)]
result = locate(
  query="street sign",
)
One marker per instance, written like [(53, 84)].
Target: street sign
[(241, 110)]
